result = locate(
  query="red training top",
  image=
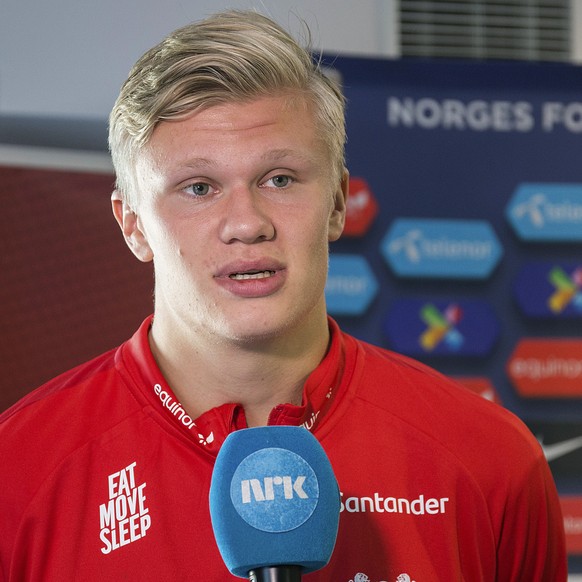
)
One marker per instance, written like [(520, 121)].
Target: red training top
[(105, 477)]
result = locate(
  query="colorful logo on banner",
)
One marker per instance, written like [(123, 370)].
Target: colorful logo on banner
[(362, 208), (351, 285), (545, 289), (547, 212), (438, 248), (480, 386), (549, 368), (562, 446), (572, 512), (459, 328), (441, 327)]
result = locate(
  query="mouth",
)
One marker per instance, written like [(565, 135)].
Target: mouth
[(250, 275), (252, 278)]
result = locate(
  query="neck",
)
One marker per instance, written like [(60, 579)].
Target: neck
[(205, 373)]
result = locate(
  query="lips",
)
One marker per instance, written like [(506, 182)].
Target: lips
[(252, 278), (245, 270)]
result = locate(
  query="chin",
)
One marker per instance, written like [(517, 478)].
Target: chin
[(254, 335), (256, 330)]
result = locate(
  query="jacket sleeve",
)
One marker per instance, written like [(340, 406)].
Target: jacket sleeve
[(532, 545)]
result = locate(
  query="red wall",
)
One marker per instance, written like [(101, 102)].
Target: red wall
[(69, 287)]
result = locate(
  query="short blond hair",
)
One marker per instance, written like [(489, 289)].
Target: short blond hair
[(232, 56)]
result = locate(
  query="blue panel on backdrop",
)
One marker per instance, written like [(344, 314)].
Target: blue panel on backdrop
[(351, 285), (450, 249), (550, 289), (459, 328), (547, 212)]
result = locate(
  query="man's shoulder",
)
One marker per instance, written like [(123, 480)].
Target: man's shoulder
[(388, 372), (61, 416), (87, 387), (65, 389), (437, 406)]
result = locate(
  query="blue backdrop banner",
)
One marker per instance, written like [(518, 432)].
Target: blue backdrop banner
[(472, 246)]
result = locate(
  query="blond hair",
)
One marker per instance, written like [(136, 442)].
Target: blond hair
[(233, 56)]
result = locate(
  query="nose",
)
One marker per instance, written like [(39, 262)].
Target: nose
[(246, 218)]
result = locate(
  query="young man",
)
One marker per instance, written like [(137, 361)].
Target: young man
[(228, 147)]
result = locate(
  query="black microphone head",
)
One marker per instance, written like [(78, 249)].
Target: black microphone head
[(274, 500)]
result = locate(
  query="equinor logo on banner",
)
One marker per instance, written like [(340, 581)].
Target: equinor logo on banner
[(455, 249), (547, 212)]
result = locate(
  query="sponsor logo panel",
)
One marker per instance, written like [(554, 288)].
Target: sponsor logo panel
[(562, 446), (362, 208), (439, 248), (550, 290), (549, 368), (351, 285), (546, 212), (480, 386), (455, 328), (572, 512)]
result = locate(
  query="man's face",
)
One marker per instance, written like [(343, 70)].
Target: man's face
[(237, 204)]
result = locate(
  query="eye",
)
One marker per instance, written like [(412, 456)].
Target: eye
[(279, 181), (198, 189)]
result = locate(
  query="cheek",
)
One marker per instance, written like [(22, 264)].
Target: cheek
[(168, 236), (313, 238), (308, 231)]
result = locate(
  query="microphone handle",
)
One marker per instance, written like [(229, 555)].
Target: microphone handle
[(276, 574)]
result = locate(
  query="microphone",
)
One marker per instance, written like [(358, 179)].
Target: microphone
[(274, 504)]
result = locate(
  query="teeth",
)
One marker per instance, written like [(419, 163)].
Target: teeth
[(245, 276)]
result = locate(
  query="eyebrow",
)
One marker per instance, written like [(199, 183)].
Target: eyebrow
[(282, 153), (200, 163), (270, 156)]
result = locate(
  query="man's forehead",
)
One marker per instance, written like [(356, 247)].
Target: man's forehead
[(238, 114), (286, 131)]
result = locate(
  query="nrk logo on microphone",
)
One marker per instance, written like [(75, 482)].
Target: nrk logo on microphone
[(439, 248), (547, 212), (274, 502), (550, 290)]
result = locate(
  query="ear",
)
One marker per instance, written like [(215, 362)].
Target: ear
[(131, 228), (337, 217)]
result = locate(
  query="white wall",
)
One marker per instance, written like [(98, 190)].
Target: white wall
[(68, 58)]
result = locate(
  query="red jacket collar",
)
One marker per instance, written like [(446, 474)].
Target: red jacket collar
[(211, 428)]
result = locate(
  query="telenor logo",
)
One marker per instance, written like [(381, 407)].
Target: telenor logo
[(351, 285), (545, 289), (456, 249), (547, 368), (274, 503), (547, 212), (459, 328)]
